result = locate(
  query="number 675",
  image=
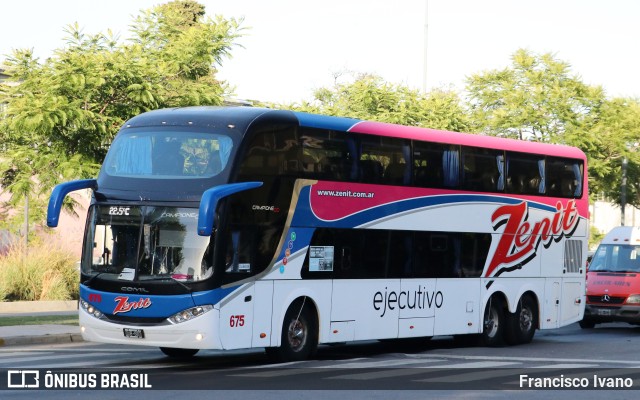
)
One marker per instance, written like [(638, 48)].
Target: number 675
[(236, 320)]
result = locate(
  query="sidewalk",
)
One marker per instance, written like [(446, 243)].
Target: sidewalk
[(38, 334)]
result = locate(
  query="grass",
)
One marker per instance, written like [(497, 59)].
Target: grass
[(45, 272), (39, 320)]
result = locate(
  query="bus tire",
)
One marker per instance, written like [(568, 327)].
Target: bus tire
[(299, 340), (493, 324), (178, 353), (521, 326)]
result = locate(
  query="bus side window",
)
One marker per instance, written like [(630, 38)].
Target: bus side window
[(481, 169), (564, 177), (434, 166), (370, 171), (345, 259)]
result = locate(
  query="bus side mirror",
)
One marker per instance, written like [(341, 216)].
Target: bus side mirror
[(209, 203), (58, 194)]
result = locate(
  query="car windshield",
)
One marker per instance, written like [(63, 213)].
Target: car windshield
[(176, 155), (141, 243), (616, 258)]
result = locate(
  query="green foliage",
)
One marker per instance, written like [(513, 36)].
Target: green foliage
[(45, 273), (61, 114), (368, 97), (537, 98), (534, 99), (613, 136), (595, 237)]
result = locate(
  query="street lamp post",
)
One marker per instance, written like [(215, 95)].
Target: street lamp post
[(623, 190)]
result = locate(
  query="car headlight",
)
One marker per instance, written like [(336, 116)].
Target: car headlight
[(90, 309), (189, 314), (633, 299)]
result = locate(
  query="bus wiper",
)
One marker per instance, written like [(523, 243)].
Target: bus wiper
[(88, 281), (165, 278)]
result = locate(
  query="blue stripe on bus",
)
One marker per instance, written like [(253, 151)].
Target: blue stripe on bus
[(161, 306), (212, 297), (325, 122), (304, 216)]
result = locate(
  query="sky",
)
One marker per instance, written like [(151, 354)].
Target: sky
[(292, 47)]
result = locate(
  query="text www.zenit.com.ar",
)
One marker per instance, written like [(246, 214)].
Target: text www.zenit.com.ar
[(346, 193)]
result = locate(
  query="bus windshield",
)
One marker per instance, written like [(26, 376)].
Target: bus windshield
[(142, 243), (178, 155)]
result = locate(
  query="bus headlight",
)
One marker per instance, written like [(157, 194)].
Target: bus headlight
[(633, 299), (90, 309), (189, 314)]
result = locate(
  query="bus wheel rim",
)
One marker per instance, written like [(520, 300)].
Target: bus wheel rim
[(526, 319), (297, 335)]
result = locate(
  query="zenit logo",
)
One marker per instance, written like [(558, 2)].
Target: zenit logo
[(519, 242), (123, 305), (274, 209)]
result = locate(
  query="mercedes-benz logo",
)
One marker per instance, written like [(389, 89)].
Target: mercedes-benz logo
[(606, 298)]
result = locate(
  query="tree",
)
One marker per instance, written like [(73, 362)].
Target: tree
[(369, 97), (613, 136), (61, 114), (538, 99), (535, 99)]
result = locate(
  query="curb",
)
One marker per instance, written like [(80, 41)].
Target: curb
[(42, 339), (23, 335), (20, 307)]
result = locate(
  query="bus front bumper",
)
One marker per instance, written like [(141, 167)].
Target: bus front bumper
[(198, 333)]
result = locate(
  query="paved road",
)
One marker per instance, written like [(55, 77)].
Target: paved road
[(401, 370)]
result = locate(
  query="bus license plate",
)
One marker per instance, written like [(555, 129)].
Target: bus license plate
[(604, 312), (133, 333)]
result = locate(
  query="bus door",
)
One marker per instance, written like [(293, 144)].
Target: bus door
[(448, 265), (564, 265), (236, 318), (416, 299), (236, 310), (364, 302), (573, 281)]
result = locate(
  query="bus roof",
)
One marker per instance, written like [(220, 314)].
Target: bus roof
[(434, 135), (242, 117)]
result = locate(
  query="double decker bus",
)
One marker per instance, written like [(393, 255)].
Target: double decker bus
[(227, 228)]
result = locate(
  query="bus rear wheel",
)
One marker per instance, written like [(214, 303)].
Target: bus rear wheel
[(178, 353), (299, 339), (492, 323), (521, 325)]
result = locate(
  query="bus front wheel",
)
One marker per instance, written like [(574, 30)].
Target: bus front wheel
[(299, 339), (493, 323), (178, 353)]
